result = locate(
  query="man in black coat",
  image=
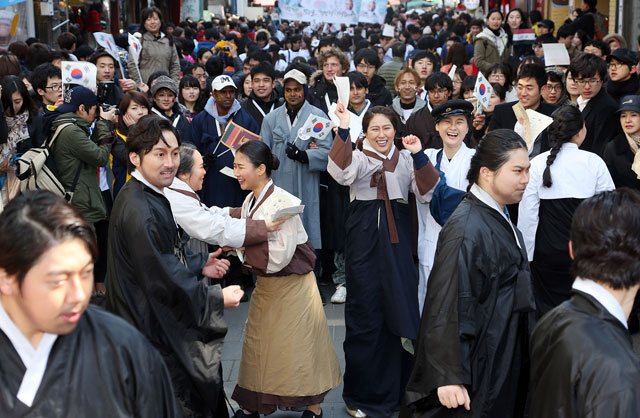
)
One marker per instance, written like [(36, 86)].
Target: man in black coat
[(597, 107), (263, 98), (582, 359), (623, 80), (532, 79), (367, 63), (157, 284)]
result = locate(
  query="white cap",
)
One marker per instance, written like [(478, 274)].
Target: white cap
[(296, 75), (221, 82), (426, 30)]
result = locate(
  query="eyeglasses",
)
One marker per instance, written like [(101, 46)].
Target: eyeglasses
[(54, 87), (498, 76), (362, 66), (588, 82), (439, 92), (457, 83), (554, 88), (615, 65)]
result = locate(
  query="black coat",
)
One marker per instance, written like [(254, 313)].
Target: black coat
[(618, 89), (505, 118), (163, 297), (601, 121), (102, 355), (318, 88), (476, 319), (619, 159), (250, 106), (583, 364), (379, 94)]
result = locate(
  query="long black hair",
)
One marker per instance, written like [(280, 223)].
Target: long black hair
[(567, 122), (493, 151), (259, 153), (11, 84)]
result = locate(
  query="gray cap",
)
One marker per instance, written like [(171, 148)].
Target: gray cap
[(164, 82)]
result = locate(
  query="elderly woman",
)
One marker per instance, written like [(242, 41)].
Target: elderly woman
[(208, 225)]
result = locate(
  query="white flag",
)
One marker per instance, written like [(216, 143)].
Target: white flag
[(79, 72), (316, 127), (452, 71), (135, 47), (106, 41), (483, 90)]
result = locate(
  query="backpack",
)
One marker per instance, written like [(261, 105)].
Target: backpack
[(36, 169)]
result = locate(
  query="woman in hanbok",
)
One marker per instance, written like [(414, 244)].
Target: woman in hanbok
[(560, 180), (453, 159), (288, 360), (381, 312)]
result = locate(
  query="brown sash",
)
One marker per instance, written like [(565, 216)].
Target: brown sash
[(379, 180), (187, 193)]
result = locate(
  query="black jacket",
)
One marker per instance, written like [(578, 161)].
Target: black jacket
[(318, 88), (618, 89), (583, 364), (154, 282), (477, 316), (619, 159), (505, 118), (601, 121), (250, 105), (379, 94)]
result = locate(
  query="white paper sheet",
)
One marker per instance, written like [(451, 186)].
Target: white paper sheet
[(286, 213), (344, 87)]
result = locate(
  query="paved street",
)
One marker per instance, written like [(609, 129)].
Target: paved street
[(333, 407)]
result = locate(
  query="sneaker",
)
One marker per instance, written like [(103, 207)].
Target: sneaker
[(340, 296)]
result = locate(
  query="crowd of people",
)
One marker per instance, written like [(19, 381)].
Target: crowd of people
[(485, 271)]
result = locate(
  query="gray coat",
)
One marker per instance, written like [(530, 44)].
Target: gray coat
[(301, 180), (156, 55)]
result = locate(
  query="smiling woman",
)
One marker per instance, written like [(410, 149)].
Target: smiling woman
[(382, 307)]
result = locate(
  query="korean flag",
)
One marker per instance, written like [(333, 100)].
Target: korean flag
[(483, 90)]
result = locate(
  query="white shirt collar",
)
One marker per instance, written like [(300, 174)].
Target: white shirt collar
[(34, 359), (582, 103), (486, 198), (144, 181), (603, 296), (261, 197), (181, 185)]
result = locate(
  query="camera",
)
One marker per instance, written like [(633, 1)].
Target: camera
[(107, 107), (106, 89)]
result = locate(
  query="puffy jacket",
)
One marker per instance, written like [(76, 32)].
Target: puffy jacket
[(74, 148), (486, 52), (156, 55)]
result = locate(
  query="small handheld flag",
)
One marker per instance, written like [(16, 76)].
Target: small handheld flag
[(234, 136), (483, 91), (106, 41), (315, 126), (80, 73)]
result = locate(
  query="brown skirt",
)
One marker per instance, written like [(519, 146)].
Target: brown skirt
[(288, 359)]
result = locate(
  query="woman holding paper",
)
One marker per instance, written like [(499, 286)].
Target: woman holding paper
[(559, 180), (381, 313), (288, 360)]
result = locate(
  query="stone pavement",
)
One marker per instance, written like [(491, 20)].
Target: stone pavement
[(333, 407)]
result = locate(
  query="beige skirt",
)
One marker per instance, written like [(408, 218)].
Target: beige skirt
[(287, 349)]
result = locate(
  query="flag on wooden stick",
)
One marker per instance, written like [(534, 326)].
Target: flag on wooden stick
[(235, 135)]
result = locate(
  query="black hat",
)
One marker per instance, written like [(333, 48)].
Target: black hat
[(630, 103), (547, 23), (452, 108), (624, 55), (75, 97)]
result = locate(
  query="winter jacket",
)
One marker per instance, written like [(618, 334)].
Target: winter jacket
[(618, 89), (156, 55), (619, 158), (75, 148), (602, 122), (318, 88), (258, 109), (487, 51)]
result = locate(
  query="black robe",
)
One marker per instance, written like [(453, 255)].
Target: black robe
[(103, 368), (476, 320), (583, 364), (150, 287)]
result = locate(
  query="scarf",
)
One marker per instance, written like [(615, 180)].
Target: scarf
[(18, 132), (634, 143), (500, 40)]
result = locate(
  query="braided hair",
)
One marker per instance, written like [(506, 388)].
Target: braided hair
[(567, 122), (493, 152)]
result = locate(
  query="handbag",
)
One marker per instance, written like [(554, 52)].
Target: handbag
[(445, 198)]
